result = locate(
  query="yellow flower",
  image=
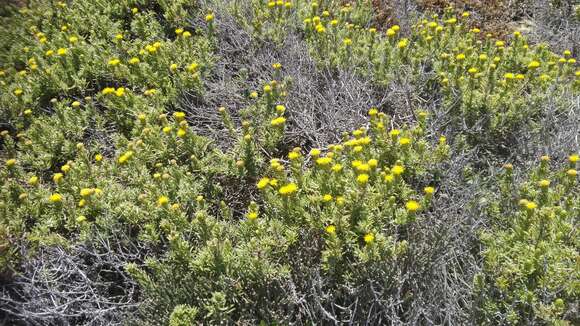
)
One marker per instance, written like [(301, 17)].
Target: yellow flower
[(429, 191), (403, 43), (82, 203), (331, 229), (57, 177), (288, 189), (369, 238), (362, 179), (499, 44), (86, 192), (181, 133), (412, 206), (573, 158), (363, 168), (398, 169), (347, 42), (18, 92), (179, 116), (534, 65), (391, 32), (460, 57), (186, 34), (120, 92), (98, 157), (162, 201), (530, 206), (252, 216), (65, 168), (61, 52), (544, 183), (192, 67), (293, 155), (572, 173), (373, 163), (179, 31), (209, 17), (134, 61), (81, 219), (394, 133), (263, 183), (336, 168), (173, 67), (33, 181), (118, 36), (324, 161), (114, 62), (404, 141), (10, 163), (327, 198), (55, 198), (278, 122)]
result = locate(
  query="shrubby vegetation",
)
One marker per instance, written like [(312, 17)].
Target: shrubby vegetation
[(130, 213)]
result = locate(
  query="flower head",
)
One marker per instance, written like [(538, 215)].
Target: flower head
[(412, 206), (369, 238), (288, 189)]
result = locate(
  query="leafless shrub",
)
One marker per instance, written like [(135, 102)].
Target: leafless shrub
[(82, 285)]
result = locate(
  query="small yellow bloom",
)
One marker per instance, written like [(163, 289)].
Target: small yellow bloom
[(33, 181), (404, 141), (61, 52), (55, 198), (288, 189), (86, 192), (327, 198), (398, 169), (277, 122), (544, 183), (572, 173), (57, 177), (574, 158), (369, 238), (10, 163), (162, 201), (324, 161), (114, 62), (403, 43), (412, 206), (263, 183), (530, 206), (362, 179), (65, 168), (134, 61), (330, 229), (120, 92), (98, 157), (252, 216), (209, 17), (534, 65), (429, 191)]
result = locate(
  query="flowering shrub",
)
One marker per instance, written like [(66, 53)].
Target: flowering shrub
[(480, 79), (530, 272), (108, 183)]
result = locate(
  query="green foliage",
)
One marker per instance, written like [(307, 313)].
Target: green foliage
[(530, 259)]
